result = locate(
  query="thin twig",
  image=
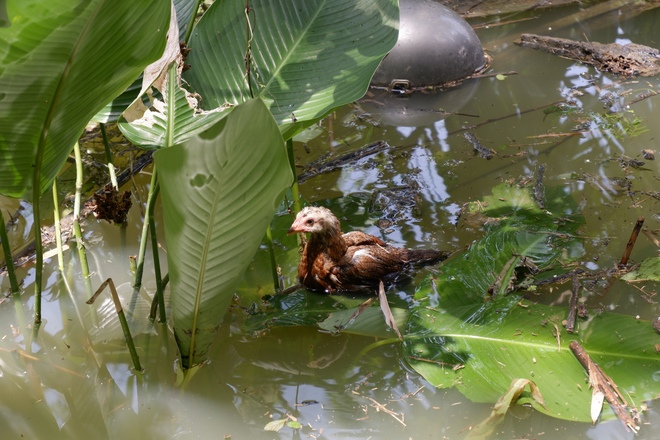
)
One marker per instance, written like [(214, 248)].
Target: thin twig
[(572, 306), (380, 407), (641, 97), (122, 319), (631, 242), (501, 118)]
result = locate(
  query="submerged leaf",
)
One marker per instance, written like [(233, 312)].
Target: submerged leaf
[(484, 429), (499, 341)]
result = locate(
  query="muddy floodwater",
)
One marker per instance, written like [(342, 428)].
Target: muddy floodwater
[(587, 129)]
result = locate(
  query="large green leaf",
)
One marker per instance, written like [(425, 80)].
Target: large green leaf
[(219, 191), (308, 56), (61, 62), (466, 333), (480, 349)]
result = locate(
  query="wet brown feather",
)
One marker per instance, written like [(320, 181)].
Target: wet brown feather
[(333, 261)]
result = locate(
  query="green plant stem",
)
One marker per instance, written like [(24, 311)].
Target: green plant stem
[(295, 191), (139, 268), (9, 260), (122, 320), (108, 157), (154, 300), (273, 260), (76, 220), (58, 231), (154, 249), (191, 23), (39, 251)]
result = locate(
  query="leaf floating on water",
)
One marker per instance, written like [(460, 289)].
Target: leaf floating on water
[(294, 424), (275, 425), (649, 270)]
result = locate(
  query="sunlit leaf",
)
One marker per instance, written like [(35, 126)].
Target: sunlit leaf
[(461, 335), (275, 425), (62, 62), (220, 191), (307, 56), (496, 342), (649, 270)]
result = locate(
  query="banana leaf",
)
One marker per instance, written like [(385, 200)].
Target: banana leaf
[(306, 57), (480, 349), (220, 191), (466, 334), (62, 61)]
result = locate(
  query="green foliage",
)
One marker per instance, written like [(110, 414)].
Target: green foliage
[(648, 270), (469, 327), (209, 250), (480, 349), (220, 180), (306, 57), (172, 120), (219, 193), (464, 333), (62, 61)]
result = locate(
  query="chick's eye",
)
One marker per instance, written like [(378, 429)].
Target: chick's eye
[(310, 222)]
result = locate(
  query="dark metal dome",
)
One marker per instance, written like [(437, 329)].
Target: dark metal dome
[(435, 46)]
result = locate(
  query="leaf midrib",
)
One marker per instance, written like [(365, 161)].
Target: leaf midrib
[(297, 42), (200, 281), (536, 345)]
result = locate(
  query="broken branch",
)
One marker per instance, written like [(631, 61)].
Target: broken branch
[(601, 382)]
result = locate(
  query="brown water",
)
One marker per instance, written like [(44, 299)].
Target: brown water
[(75, 380)]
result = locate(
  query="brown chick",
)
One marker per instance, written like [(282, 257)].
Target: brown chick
[(333, 261)]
